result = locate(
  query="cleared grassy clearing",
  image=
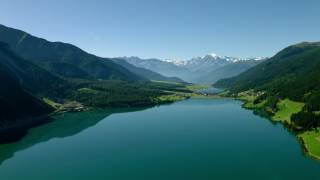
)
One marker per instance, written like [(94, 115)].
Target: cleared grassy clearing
[(286, 108), (52, 103), (311, 142), (248, 97)]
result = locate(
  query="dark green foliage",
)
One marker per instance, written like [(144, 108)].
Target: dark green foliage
[(31, 77), (305, 120), (66, 70), (313, 102), (120, 94), (20, 79), (296, 49), (63, 59), (15, 102), (24, 81), (20, 109), (292, 73), (260, 98), (272, 102)]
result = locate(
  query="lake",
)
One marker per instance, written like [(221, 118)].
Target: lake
[(195, 139)]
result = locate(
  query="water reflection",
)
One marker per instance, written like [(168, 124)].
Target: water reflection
[(61, 126)]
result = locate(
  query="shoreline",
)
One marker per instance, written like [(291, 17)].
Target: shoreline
[(299, 135), (15, 131), (305, 150)]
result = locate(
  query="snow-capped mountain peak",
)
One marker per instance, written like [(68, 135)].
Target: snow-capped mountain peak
[(194, 69), (213, 54)]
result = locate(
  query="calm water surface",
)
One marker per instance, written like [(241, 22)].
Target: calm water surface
[(193, 139)]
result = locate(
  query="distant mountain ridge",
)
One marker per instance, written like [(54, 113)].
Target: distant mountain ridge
[(196, 69), (161, 66), (212, 58), (68, 61), (229, 70), (146, 73)]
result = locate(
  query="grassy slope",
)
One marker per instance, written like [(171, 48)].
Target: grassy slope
[(248, 97), (286, 107), (311, 141), (51, 103)]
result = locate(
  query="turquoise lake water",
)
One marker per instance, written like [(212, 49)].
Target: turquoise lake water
[(195, 139)]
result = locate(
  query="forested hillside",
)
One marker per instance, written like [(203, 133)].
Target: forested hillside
[(15, 102), (63, 59), (31, 77), (293, 73)]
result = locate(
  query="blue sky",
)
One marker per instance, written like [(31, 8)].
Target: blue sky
[(175, 29)]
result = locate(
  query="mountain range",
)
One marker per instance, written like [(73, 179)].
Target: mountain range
[(143, 72), (33, 69), (207, 69), (39, 75), (69, 61)]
